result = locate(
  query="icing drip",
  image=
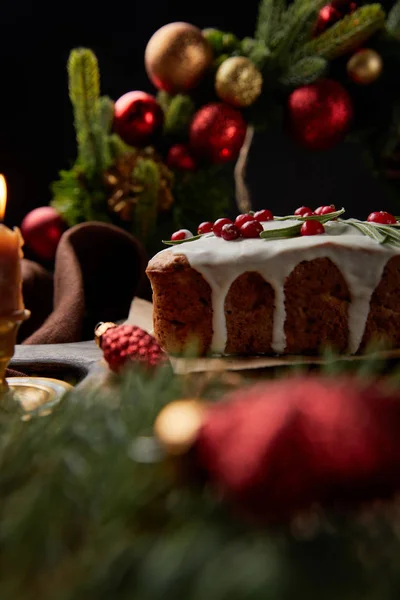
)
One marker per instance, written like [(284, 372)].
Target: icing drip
[(360, 259)]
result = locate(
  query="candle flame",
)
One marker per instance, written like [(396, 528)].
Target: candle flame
[(3, 196)]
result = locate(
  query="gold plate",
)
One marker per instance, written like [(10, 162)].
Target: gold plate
[(37, 395)]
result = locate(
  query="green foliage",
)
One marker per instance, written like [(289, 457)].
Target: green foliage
[(296, 26), (348, 34), (178, 115), (393, 21), (211, 193), (146, 173), (84, 90), (269, 19), (256, 51), (69, 197), (305, 71), (89, 510)]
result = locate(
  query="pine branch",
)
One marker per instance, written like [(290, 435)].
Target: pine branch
[(178, 115), (305, 71), (348, 34), (146, 172), (256, 51), (84, 90), (298, 28), (288, 19), (393, 20), (268, 21)]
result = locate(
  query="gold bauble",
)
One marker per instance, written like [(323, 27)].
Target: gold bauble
[(178, 424), (238, 81), (177, 57), (365, 66)]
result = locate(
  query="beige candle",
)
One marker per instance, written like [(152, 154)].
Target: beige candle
[(10, 261)]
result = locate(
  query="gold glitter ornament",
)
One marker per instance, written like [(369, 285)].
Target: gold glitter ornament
[(238, 81), (365, 66), (177, 57)]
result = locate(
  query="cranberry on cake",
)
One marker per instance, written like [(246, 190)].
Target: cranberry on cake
[(280, 285)]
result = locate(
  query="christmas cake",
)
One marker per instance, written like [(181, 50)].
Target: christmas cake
[(315, 281)]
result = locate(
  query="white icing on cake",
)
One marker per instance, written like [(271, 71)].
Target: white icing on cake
[(359, 258)]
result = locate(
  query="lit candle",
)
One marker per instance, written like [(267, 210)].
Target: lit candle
[(10, 261)]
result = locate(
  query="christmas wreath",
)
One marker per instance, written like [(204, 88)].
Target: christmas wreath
[(159, 486), (154, 164)]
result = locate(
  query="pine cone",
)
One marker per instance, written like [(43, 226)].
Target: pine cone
[(124, 343), (125, 192)]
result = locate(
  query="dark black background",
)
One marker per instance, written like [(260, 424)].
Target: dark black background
[(36, 131)]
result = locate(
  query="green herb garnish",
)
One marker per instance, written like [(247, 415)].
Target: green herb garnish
[(294, 230)]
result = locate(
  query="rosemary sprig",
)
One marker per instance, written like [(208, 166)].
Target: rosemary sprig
[(321, 218), (294, 230), (383, 234)]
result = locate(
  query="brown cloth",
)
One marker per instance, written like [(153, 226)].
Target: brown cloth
[(98, 270)]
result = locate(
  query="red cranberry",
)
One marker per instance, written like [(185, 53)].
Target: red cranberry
[(181, 234), (303, 211), (264, 215), (230, 232), (205, 227), (242, 219), (382, 217), (324, 210), (218, 225), (312, 228), (251, 229)]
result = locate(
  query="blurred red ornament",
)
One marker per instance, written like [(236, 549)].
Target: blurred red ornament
[(42, 229), (217, 132), (279, 448), (320, 114), (180, 157), (138, 118), (331, 14)]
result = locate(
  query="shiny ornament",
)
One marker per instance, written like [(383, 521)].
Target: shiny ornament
[(365, 66), (123, 344), (217, 132), (279, 448), (178, 424), (180, 157), (42, 229), (319, 114), (177, 57), (238, 81), (331, 14), (138, 118)]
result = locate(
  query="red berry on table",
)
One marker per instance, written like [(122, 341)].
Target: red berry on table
[(242, 219), (181, 234), (230, 232), (218, 225), (324, 210), (382, 217), (264, 215), (303, 211), (205, 227), (251, 229), (312, 228)]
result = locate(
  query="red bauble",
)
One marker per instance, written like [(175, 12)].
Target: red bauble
[(138, 118), (128, 343), (331, 14), (42, 229), (180, 157), (278, 448), (217, 132), (320, 114)]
